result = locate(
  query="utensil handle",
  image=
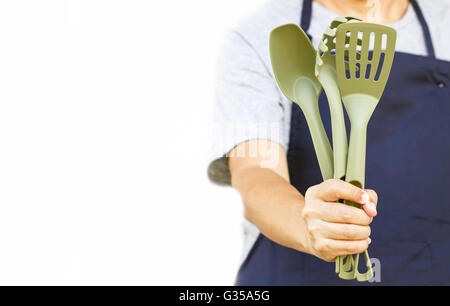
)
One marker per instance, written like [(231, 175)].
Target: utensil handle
[(339, 133), (363, 277), (321, 143), (356, 162), (339, 136), (355, 175), (348, 272), (356, 166), (328, 79)]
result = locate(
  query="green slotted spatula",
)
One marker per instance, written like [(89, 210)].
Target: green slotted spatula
[(326, 74), (293, 58), (361, 84)]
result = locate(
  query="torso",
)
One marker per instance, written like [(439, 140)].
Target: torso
[(407, 151)]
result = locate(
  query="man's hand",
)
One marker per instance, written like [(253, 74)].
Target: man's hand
[(316, 225), (335, 229)]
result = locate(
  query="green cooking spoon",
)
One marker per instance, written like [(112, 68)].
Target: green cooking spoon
[(325, 72), (362, 83), (293, 57)]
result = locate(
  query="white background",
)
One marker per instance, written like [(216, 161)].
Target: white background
[(105, 127)]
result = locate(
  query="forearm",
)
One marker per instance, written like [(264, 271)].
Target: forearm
[(316, 225), (273, 205)]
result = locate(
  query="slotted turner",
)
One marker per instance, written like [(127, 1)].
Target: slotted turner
[(362, 83)]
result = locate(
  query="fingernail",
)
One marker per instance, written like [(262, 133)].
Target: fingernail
[(372, 207), (365, 198), (370, 240)]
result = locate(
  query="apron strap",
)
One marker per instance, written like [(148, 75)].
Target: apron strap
[(305, 22), (305, 18), (425, 29)]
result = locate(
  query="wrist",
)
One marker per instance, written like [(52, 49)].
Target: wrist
[(302, 238)]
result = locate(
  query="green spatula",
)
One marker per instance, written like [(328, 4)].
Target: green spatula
[(293, 58), (326, 74), (362, 83)]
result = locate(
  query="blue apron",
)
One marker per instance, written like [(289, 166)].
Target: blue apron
[(408, 164)]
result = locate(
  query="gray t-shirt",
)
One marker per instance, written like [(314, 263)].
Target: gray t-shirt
[(249, 104)]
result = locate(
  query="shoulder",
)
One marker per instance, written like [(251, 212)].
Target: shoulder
[(254, 29), (267, 16)]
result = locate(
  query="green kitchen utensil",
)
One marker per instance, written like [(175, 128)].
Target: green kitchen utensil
[(293, 57), (361, 84), (325, 72)]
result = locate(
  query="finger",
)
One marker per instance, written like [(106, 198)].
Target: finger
[(371, 207), (340, 213), (333, 190), (342, 247), (341, 231)]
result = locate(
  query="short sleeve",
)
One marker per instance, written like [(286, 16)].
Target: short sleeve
[(248, 104)]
